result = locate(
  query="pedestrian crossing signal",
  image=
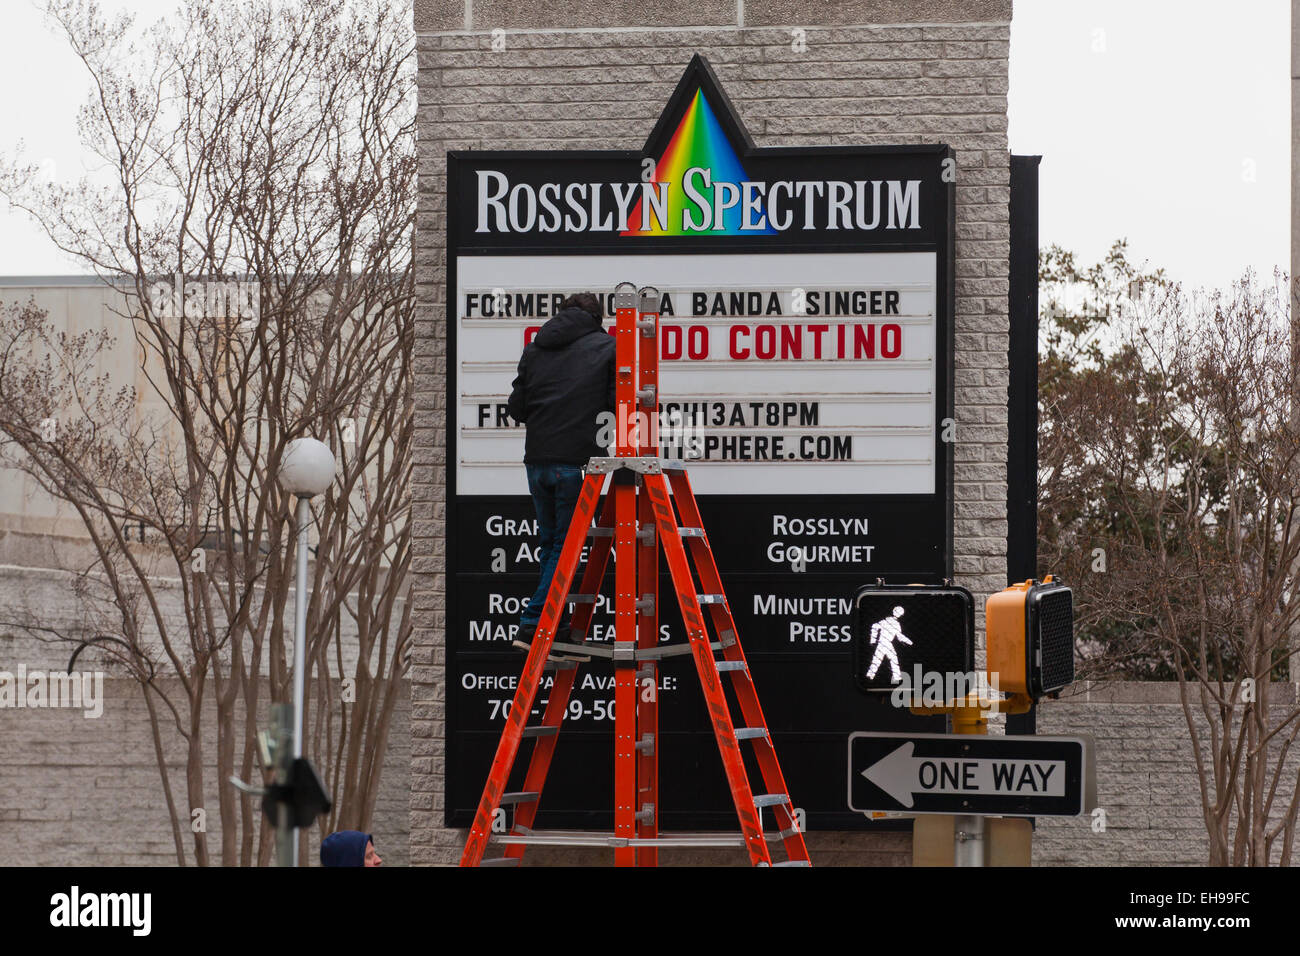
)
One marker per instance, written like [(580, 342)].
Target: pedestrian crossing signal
[(903, 632), (1029, 630)]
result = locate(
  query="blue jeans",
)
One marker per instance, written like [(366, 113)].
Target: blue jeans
[(555, 491)]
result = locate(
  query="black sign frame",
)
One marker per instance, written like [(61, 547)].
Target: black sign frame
[(931, 564)]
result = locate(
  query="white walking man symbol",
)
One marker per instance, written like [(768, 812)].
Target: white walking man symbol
[(883, 634)]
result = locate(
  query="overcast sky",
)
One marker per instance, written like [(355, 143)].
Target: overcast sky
[(1164, 121)]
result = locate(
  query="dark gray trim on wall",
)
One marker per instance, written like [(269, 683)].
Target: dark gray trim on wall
[(1022, 390)]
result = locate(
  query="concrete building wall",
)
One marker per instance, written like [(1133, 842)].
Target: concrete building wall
[(74, 305), (596, 75)]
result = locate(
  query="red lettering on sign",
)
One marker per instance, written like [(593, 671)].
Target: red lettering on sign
[(671, 342), (791, 342), (697, 342), (891, 341), (817, 342), (736, 351), (864, 341)]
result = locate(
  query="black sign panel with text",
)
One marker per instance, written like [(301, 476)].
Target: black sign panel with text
[(806, 376)]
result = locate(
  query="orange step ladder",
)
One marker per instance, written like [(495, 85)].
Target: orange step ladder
[(649, 504)]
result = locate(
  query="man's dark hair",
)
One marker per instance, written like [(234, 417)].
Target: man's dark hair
[(585, 301)]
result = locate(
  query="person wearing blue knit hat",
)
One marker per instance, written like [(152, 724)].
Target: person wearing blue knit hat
[(349, 848)]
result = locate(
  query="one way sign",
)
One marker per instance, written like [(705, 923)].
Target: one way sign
[(968, 774)]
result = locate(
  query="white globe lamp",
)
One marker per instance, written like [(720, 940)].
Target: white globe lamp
[(307, 467)]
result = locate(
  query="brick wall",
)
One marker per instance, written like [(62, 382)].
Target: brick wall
[(597, 75), (78, 791), (1147, 782), (87, 792)]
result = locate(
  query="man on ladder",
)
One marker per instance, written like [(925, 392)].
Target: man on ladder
[(565, 383), (649, 512)]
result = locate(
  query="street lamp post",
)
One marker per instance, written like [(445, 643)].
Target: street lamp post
[(306, 471)]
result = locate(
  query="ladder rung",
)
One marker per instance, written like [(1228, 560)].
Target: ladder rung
[(658, 653), (553, 665), (691, 532), (721, 839), (711, 598), (794, 863), (770, 799), (781, 835), (582, 651), (520, 796), (599, 532), (582, 598), (541, 730), (750, 733), (607, 839), (589, 650), (558, 646), (681, 650), (500, 861), (556, 838)]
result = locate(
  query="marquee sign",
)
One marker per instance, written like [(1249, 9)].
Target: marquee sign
[(806, 344)]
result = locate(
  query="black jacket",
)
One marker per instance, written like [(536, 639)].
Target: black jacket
[(565, 380)]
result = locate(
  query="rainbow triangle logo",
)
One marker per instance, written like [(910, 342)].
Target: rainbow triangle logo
[(698, 141)]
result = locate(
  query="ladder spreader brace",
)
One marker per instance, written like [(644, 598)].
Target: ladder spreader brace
[(648, 505)]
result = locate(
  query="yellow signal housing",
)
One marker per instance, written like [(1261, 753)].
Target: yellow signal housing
[(1029, 637), (1005, 638)]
